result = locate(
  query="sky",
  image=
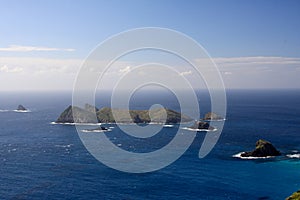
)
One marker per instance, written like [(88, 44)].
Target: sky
[(255, 44)]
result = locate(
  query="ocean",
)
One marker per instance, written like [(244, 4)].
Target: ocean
[(40, 160)]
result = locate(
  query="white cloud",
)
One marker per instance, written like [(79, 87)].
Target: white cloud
[(259, 60), (20, 48), (6, 69), (50, 74), (185, 73), (37, 73), (238, 72), (125, 70), (257, 72), (257, 64), (32, 65)]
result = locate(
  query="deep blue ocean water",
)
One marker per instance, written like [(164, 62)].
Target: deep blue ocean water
[(39, 160)]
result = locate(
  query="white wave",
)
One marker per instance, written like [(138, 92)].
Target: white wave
[(64, 145), (11, 150), (200, 130), (83, 124), (250, 157), (215, 120), (22, 111), (19, 111), (95, 131), (297, 155), (168, 125)]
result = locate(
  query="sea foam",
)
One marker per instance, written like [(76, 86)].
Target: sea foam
[(83, 124), (297, 155), (22, 111), (239, 155), (95, 131), (199, 130)]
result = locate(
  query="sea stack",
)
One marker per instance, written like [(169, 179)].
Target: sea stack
[(263, 149), (21, 108)]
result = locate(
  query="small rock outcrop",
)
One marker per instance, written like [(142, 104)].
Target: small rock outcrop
[(21, 108), (212, 116), (100, 128), (263, 149), (201, 125)]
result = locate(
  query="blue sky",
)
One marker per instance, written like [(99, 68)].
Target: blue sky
[(61, 31)]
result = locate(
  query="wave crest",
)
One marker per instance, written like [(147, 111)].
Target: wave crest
[(239, 155), (297, 155)]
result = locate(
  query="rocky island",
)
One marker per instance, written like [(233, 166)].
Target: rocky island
[(263, 149), (75, 114), (201, 125), (21, 108)]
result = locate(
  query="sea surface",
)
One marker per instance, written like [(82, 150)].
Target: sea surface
[(40, 160)]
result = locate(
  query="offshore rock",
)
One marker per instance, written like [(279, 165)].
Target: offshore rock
[(21, 108), (201, 125), (263, 149)]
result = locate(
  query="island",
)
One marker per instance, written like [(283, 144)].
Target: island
[(74, 114), (21, 108), (263, 149)]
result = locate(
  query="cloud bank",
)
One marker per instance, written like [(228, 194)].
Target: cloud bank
[(237, 72), (20, 48)]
